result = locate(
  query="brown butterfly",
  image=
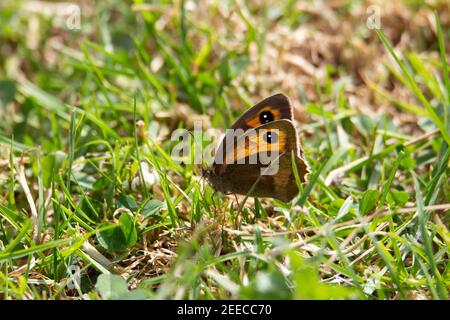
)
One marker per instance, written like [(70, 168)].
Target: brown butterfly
[(255, 158)]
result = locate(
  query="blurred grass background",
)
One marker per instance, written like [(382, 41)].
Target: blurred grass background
[(91, 91)]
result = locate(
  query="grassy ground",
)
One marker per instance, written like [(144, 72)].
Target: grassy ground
[(87, 108)]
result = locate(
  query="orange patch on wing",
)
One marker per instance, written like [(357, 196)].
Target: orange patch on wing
[(253, 144), (256, 122)]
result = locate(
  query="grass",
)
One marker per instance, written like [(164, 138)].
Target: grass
[(93, 206)]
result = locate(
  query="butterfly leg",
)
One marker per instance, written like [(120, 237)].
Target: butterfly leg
[(214, 204), (237, 201), (236, 218)]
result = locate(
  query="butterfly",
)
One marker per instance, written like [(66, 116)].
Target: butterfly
[(255, 157)]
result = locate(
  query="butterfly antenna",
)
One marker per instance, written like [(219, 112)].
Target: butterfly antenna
[(195, 168)]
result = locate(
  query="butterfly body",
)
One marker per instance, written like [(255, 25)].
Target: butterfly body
[(255, 157)]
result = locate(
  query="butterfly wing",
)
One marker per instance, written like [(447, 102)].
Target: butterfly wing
[(274, 137), (273, 108), (281, 185), (242, 169)]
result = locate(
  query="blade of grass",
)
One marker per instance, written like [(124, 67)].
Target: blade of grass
[(414, 87)]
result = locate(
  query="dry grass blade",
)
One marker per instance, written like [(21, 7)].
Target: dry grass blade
[(22, 179)]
